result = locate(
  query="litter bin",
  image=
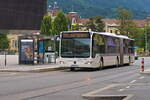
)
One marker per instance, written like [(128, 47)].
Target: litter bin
[(50, 57)]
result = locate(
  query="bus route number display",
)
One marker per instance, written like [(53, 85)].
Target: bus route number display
[(76, 35)]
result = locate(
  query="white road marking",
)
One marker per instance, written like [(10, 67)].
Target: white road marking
[(121, 90), (141, 77), (99, 90), (8, 74), (133, 81), (128, 87)]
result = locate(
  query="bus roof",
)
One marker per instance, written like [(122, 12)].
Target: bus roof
[(113, 35), (102, 33)]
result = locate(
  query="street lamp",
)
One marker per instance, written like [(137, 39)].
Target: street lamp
[(146, 33), (146, 39)]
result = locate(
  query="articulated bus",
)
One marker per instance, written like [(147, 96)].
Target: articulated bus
[(85, 49)]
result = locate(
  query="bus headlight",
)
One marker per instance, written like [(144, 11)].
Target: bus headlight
[(61, 62), (88, 62)]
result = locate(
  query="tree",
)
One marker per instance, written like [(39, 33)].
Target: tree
[(46, 26), (147, 35), (4, 42), (138, 35), (96, 24), (125, 20), (60, 23), (75, 27)]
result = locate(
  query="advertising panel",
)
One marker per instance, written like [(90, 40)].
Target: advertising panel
[(27, 51)]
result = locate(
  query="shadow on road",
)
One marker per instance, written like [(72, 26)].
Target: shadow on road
[(92, 69)]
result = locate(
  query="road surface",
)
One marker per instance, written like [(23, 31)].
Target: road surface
[(66, 85)]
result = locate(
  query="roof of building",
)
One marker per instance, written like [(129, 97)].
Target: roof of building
[(139, 23), (111, 21), (83, 20)]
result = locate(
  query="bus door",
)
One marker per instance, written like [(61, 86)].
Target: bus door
[(121, 52)]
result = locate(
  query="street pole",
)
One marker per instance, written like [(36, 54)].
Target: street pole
[(5, 58), (146, 39)]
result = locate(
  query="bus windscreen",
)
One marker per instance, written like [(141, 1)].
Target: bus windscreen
[(75, 45)]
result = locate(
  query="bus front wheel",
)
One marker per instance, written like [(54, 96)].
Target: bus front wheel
[(72, 69), (117, 62), (101, 65)]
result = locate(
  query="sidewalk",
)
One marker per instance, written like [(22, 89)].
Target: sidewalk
[(30, 68), (146, 72), (13, 66)]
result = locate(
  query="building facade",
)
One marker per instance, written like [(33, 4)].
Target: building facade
[(22, 14), (111, 25), (13, 36)]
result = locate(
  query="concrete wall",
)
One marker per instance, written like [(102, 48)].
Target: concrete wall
[(12, 60)]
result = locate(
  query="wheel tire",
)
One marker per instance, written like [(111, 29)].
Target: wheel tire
[(129, 60), (72, 69), (117, 63), (101, 65)]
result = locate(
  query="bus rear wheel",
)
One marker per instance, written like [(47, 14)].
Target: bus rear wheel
[(117, 63)]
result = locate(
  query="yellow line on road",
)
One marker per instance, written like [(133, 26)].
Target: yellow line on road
[(99, 90)]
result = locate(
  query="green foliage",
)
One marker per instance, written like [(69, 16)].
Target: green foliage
[(75, 27), (4, 42), (106, 8), (147, 33), (51, 27), (138, 35), (128, 28), (46, 26), (96, 24), (60, 23), (125, 20)]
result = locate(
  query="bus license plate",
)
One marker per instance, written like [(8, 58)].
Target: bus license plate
[(74, 65)]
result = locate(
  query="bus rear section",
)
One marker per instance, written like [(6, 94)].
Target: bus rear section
[(128, 51)]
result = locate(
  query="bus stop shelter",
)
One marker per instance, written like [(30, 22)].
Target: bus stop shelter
[(36, 49)]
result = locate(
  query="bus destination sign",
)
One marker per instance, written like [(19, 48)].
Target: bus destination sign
[(76, 35)]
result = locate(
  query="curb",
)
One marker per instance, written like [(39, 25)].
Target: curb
[(92, 95), (36, 70), (109, 97), (145, 72)]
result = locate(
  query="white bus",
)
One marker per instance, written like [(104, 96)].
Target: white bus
[(84, 49)]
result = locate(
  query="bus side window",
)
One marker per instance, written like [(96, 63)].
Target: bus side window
[(112, 45), (98, 45), (126, 47), (131, 47)]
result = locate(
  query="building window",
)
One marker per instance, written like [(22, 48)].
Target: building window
[(111, 31), (14, 44), (116, 31)]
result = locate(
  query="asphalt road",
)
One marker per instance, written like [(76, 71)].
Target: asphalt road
[(66, 85)]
